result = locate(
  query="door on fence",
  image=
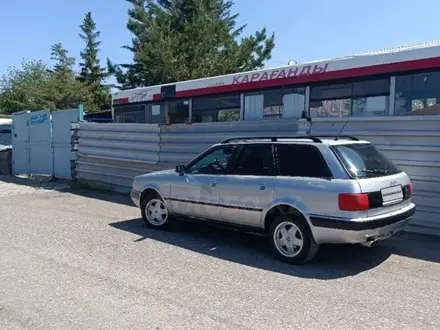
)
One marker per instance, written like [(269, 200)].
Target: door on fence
[(61, 133), (20, 143), (40, 143)]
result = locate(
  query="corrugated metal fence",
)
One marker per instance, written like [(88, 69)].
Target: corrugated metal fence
[(180, 143), (115, 153)]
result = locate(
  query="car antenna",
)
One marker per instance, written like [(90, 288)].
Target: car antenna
[(309, 119), (343, 126)]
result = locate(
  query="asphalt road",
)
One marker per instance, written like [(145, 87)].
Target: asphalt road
[(71, 260)]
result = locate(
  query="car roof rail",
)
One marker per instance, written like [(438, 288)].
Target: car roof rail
[(274, 138), (316, 139), (337, 137)]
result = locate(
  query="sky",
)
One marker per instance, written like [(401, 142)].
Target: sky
[(305, 30)]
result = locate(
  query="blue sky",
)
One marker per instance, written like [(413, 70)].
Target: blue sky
[(305, 30)]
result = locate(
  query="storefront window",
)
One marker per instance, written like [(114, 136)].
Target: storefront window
[(359, 99), (130, 114), (178, 112), (330, 108), (417, 94), (275, 104), (217, 108), (156, 114), (229, 115), (370, 106)]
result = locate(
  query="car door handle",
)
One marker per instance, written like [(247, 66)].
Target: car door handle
[(213, 183), (262, 186)]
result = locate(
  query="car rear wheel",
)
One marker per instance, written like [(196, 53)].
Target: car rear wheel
[(155, 212), (291, 240)]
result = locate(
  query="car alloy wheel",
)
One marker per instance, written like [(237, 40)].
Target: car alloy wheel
[(288, 239), (291, 240), (156, 212)]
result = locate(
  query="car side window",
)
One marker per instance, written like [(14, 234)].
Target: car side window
[(215, 162), (301, 161), (255, 160)]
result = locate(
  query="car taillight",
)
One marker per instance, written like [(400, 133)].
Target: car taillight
[(410, 190), (353, 202)]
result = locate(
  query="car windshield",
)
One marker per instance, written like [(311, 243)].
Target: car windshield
[(363, 160)]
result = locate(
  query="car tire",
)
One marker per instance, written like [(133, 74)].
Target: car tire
[(291, 240), (155, 212)]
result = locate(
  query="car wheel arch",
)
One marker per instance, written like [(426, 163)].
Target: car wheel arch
[(287, 209), (149, 190), (284, 202)]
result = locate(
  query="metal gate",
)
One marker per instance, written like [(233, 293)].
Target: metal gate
[(20, 143), (41, 142), (61, 135)]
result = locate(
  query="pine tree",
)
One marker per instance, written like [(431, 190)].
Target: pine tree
[(175, 40), (64, 91), (63, 62), (92, 74)]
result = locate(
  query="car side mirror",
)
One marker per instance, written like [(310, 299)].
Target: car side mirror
[(180, 169)]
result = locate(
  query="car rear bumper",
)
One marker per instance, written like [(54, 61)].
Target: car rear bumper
[(135, 197), (332, 230)]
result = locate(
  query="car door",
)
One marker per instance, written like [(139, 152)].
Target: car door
[(248, 188), (194, 193)]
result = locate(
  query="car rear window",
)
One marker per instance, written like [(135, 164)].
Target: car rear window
[(301, 161), (364, 160)]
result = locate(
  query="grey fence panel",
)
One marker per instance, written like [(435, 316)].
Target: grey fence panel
[(114, 167), (182, 142), (110, 136), (412, 143), (20, 143), (120, 152), (123, 141), (116, 153), (62, 153)]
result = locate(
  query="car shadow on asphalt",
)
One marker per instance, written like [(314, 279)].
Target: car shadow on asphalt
[(118, 198), (332, 261)]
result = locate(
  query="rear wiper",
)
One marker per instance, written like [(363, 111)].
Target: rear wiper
[(375, 171)]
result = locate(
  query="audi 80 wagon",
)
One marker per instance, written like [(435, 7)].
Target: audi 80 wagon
[(300, 191)]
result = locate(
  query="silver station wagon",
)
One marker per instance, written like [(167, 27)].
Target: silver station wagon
[(299, 191)]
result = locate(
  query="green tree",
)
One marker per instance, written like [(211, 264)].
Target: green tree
[(23, 88), (34, 86), (92, 74), (175, 40), (63, 90)]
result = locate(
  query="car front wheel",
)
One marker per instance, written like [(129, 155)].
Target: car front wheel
[(155, 212), (291, 240)]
